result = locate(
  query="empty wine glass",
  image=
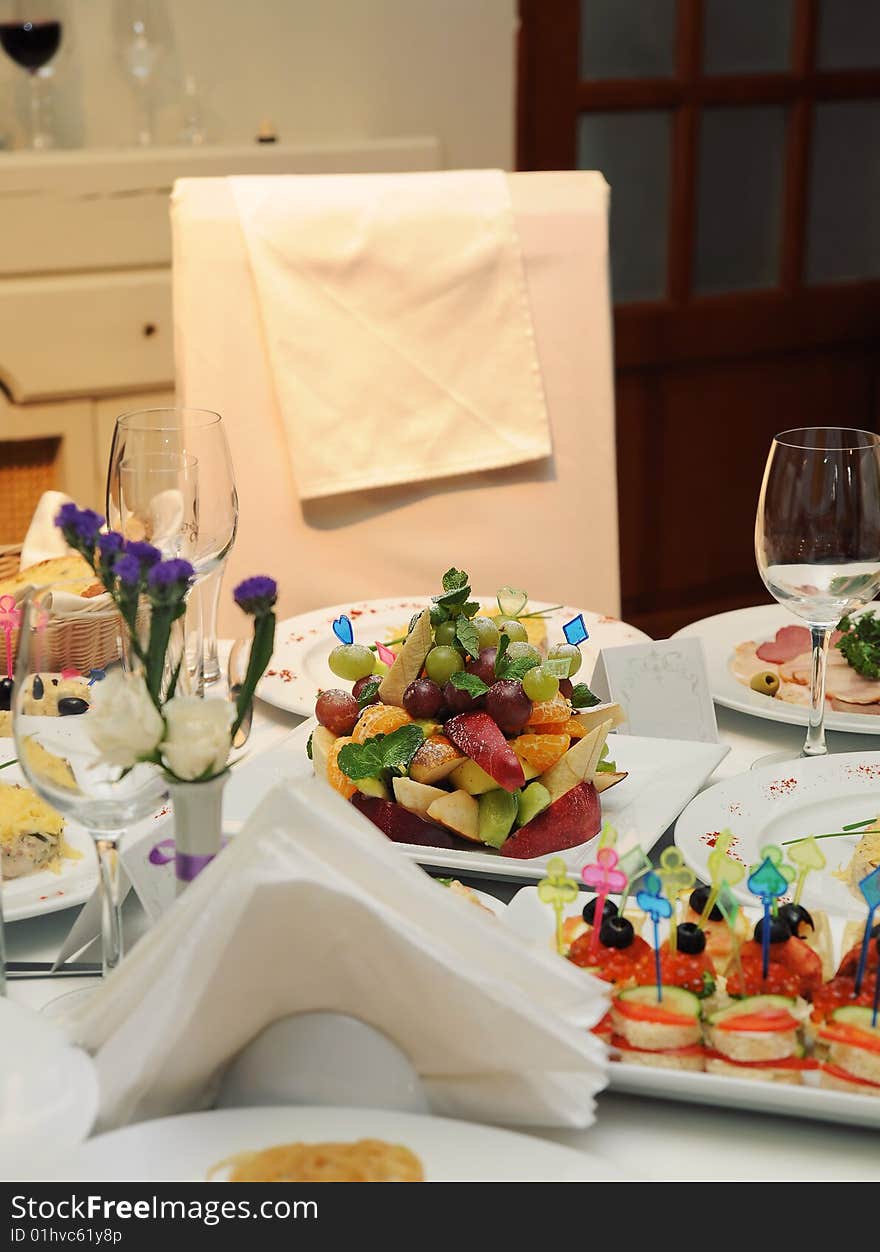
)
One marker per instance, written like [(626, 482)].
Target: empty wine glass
[(199, 434), (53, 734), (30, 34), (817, 538)]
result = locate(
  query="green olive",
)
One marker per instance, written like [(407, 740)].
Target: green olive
[(766, 682)]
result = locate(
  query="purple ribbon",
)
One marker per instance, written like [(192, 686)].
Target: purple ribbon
[(186, 866)]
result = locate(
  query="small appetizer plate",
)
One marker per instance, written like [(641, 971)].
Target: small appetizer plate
[(298, 670), (723, 633), (784, 802), (187, 1148), (663, 774)]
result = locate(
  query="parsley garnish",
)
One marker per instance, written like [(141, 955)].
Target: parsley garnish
[(860, 644), (374, 756)]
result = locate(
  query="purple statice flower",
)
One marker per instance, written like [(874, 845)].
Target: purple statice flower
[(167, 582), (80, 527), (127, 571), (110, 546), (144, 553), (256, 595)]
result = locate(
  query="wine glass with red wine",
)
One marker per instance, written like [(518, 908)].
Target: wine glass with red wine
[(30, 33)]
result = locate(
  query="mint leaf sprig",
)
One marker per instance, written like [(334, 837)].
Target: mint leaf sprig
[(381, 753), (508, 667), (582, 697), (860, 643), (471, 683)]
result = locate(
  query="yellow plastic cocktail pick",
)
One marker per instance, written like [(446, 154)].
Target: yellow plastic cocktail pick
[(723, 871), (557, 889), (675, 877), (608, 837), (805, 856)]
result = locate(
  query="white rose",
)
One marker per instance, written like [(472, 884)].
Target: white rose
[(124, 723), (197, 738)]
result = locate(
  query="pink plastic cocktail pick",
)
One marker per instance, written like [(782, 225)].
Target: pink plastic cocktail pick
[(10, 620), (385, 654), (604, 877)]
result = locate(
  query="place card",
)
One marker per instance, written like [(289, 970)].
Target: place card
[(663, 687)]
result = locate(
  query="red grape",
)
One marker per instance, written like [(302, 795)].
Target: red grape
[(359, 686), (566, 687), (484, 666), (337, 710), (460, 701), (508, 705), (423, 699)]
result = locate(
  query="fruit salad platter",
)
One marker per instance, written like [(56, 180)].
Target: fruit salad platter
[(473, 739)]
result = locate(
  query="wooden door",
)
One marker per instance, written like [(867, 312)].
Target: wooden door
[(741, 139)]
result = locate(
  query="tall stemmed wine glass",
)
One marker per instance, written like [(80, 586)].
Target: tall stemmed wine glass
[(52, 721), (200, 435), (817, 538), (30, 34)]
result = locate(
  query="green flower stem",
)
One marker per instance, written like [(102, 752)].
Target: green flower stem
[(261, 653), (375, 647), (6, 764)]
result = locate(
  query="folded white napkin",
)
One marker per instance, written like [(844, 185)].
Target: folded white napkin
[(311, 908), (397, 325), (44, 540)]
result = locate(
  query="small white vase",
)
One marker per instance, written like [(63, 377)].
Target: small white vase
[(198, 826)]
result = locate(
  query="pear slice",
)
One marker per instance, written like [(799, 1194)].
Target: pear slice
[(599, 713), (458, 811), (578, 764), (409, 661), (322, 741), (415, 796), (603, 781)]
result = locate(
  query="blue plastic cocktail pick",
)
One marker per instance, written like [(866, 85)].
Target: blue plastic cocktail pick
[(652, 901), (870, 889), (576, 631), (343, 629), (766, 882)]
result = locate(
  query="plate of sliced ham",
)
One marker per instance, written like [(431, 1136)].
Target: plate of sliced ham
[(749, 644)]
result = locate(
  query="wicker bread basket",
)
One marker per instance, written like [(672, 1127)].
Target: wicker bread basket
[(85, 643)]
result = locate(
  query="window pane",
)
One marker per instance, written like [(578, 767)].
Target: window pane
[(849, 34), (843, 233), (747, 37), (632, 151), (627, 38), (739, 204)]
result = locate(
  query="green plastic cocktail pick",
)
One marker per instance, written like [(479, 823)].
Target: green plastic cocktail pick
[(805, 856), (724, 871), (675, 877)]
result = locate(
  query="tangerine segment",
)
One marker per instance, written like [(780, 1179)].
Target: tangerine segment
[(556, 710), (573, 727), (379, 719), (553, 728), (541, 751), (338, 781)]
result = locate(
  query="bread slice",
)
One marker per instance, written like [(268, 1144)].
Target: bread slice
[(655, 1036), (755, 1045), (689, 1059), (756, 1073), (73, 569), (837, 1081)]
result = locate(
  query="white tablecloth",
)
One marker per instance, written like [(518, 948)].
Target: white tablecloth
[(649, 1139)]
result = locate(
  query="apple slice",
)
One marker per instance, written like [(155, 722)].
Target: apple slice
[(409, 661), (434, 760), (576, 817), (578, 764), (322, 741), (458, 811), (477, 735), (415, 796), (470, 778), (605, 780), (599, 713), (400, 825)]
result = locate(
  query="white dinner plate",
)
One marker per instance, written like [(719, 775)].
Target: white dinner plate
[(720, 636), (534, 921), (184, 1149), (783, 802), (299, 670), (47, 892), (663, 775)]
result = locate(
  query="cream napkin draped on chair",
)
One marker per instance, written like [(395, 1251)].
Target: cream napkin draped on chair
[(311, 908), (397, 325)]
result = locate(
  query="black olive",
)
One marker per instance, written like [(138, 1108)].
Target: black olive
[(780, 931), (616, 932), (37, 687), (691, 939), (54, 682), (795, 916), (698, 899), (609, 909), (69, 706), (6, 685)]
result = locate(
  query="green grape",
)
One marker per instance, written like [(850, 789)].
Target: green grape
[(351, 661), (487, 632), (566, 651), (519, 649), (539, 685), (438, 614), (444, 634), (514, 630), (441, 663), (380, 669)]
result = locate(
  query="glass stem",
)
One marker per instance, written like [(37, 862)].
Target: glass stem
[(111, 905), (814, 744), (39, 137), (209, 589)]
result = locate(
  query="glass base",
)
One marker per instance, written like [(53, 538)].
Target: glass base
[(64, 1005), (786, 755)]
